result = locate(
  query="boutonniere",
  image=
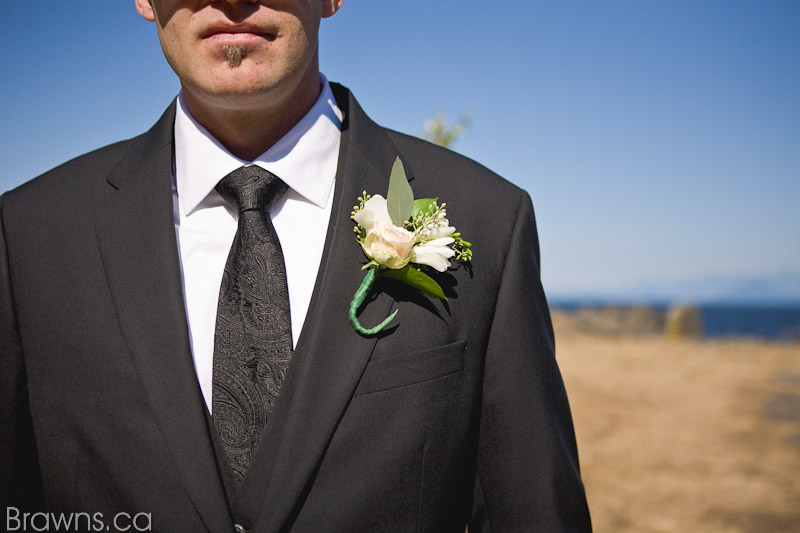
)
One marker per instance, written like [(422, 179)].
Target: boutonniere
[(402, 238)]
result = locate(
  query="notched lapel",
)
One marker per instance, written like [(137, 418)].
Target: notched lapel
[(136, 235), (330, 356)]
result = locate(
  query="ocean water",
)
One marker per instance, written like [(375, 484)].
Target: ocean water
[(775, 323)]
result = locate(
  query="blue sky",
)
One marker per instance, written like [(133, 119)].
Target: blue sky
[(660, 141)]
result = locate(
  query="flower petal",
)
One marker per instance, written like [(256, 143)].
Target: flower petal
[(374, 216), (443, 241), (391, 249), (438, 232), (434, 254)]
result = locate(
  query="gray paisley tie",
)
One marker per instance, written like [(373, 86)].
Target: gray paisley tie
[(253, 336)]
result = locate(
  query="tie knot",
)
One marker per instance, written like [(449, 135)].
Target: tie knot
[(252, 187)]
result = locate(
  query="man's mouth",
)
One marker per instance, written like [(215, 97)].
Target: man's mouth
[(237, 34)]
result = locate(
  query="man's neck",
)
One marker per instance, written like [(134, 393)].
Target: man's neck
[(248, 126)]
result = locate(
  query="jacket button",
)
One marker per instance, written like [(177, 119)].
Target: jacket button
[(239, 528)]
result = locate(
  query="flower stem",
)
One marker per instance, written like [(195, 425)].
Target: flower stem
[(358, 299)]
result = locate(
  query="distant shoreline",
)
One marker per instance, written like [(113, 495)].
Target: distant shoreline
[(573, 302), (715, 321)]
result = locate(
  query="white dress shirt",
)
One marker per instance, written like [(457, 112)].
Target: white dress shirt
[(306, 159)]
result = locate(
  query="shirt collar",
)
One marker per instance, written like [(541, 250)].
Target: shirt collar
[(305, 158)]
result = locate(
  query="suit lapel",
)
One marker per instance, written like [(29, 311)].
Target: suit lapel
[(330, 356), (136, 235), (135, 232)]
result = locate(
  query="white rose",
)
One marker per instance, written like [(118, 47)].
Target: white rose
[(391, 248), (388, 245), (434, 253)]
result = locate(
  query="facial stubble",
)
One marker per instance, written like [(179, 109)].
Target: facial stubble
[(234, 53)]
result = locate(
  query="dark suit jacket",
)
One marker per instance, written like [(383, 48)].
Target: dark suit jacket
[(455, 414)]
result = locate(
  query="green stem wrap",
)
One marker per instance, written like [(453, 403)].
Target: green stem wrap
[(358, 299)]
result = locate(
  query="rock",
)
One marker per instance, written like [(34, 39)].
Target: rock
[(684, 321), (610, 320)]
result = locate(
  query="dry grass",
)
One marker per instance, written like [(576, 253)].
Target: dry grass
[(686, 436)]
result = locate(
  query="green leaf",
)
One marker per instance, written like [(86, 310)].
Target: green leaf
[(421, 205), (400, 198), (415, 278)]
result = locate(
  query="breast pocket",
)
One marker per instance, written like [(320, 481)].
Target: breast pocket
[(410, 369)]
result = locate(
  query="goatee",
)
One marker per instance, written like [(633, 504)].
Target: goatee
[(234, 53)]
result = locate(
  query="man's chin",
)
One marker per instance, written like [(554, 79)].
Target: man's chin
[(236, 88), (239, 75)]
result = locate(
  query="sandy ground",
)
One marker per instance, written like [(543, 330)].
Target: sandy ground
[(686, 436)]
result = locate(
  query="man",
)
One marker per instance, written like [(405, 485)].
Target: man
[(115, 329)]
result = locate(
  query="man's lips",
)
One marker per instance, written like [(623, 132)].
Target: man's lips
[(242, 33)]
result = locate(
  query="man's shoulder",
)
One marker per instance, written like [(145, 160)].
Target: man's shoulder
[(452, 172), (73, 176), (77, 171), (79, 177), (436, 170)]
